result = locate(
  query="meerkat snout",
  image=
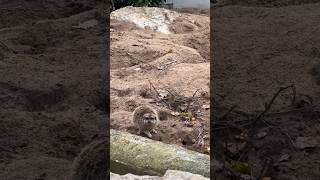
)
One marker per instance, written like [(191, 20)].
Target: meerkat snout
[(149, 118)]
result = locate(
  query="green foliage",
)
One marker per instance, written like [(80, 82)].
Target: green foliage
[(184, 114), (116, 4), (149, 3), (240, 167)]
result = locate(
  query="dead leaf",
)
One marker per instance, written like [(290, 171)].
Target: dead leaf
[(284, 157), (173, 125), (205, 106), (261, 135)]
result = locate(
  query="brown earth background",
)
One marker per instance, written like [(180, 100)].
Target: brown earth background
[(52, 70), (257, 47), (53, 85)]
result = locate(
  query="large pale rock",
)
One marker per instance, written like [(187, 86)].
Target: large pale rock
[(147, 156), (170, 175), (153, 18)]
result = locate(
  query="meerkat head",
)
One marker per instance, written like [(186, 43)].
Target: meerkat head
[(149, 118)]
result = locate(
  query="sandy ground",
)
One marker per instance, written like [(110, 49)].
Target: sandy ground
[(52, 87), (178, 62), (257, 48)]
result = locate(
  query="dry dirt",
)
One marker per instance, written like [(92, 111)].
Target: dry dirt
[(53, 85), (178, 62), (259, 46)]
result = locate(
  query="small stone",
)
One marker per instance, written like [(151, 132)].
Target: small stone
[(246, 177), (205, 137), (205, 106), (183, 108), (207, 150), (137, 69), (160, 68), (261, 135), (180, 175), (190, 124), (242, 136), (175, 113)]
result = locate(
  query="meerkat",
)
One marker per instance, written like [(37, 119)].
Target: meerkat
[(146, 119)]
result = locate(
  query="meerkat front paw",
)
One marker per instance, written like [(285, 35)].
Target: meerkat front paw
[(148, 134), (154, 131)]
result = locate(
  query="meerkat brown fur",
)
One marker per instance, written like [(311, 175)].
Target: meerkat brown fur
[(146, 119)]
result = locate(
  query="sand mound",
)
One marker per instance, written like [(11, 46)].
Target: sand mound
[(178, 61)]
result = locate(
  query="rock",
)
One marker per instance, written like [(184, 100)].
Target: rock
[(246, 177), (141, 153), (175, 113), (156, 19), (169, 175), (173, 174), (183, 108), (242, 136), (129, 176), (206, 106), (207, 150)]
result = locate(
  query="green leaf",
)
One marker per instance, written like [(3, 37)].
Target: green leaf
[(184, 114), (240, 167)]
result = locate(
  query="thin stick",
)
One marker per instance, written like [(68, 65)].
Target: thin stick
[(192, 98), (157, 92), (268, 106), (228, 112)]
